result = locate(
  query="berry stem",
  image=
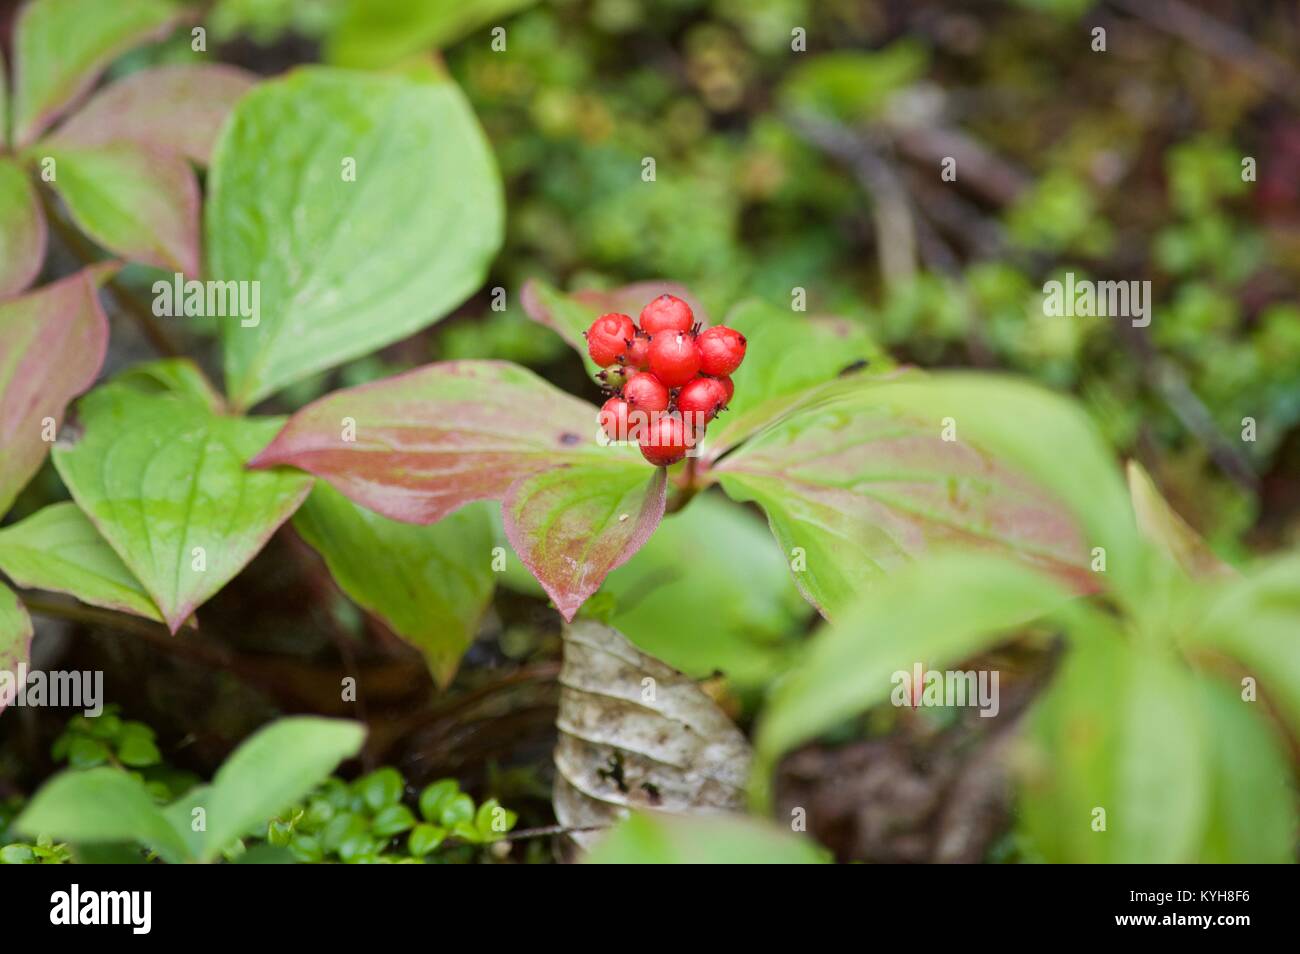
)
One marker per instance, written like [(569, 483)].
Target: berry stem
[(686, 489)]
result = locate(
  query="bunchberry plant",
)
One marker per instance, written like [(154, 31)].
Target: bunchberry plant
[(280, 242)]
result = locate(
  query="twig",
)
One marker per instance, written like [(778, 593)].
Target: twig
[(547, 830), (1218, 39), (126, 300), (199, 653), (981, 170), (1171, 385), (93, 616), (891, 208)]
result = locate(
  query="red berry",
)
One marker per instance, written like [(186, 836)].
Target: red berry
[(731, 389), (667, 440), (721, 350), (674, 358), (607, 338), (613, 418), (666, 313), (638, 352), (704, 397), (646, 392)]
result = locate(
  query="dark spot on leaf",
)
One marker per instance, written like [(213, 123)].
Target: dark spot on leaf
[(853, 366), (614, 773)]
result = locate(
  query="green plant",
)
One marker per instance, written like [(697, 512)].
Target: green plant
[(367, 822), (105, 806), (300, 234), (1141, 749), (43, 851)]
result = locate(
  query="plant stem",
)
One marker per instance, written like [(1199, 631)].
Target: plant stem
[(126, 300), (92, 616), (688, 488), (545, 830)]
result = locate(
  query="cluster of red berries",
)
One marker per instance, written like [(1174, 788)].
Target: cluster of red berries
[(669, 378)]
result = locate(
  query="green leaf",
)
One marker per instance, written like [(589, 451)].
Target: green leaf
[(1122, 729), (1046, 438), (1257, 620), (936, 612), (649, 839), (572, 525), (22, 225), (369, 261), (436, 796), (381, 788), (459, 808), (58, 549), (378, 33), (493, 821), (710, 592), (17, 855), (851, 85), (138, 752), (101, 805), (84, 752), (178, 108), (429, 584), (861, 482), (392, 820), (163, 480), (15, 639), (179, 376), (61, 47), (1252, 814), (1159, 523), (424, 839), (52, 343), (277, 766), (266, 855), (138, 201), (787, 359)]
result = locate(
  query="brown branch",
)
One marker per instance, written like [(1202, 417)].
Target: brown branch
[(546, 830), (1217, 39), (93, 616), (136, 310), (891, 207)]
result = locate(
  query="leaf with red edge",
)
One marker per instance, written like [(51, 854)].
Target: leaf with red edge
[(4, 101), (420, 445), (15, 639), (61, 47), (431, 440), (569, 315), (572, 525), (163, 479), (58, 549), (138, 201), (791, 359), (855, 486), (22, 228), (1161, 524), (176, 108), (52, 343)]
